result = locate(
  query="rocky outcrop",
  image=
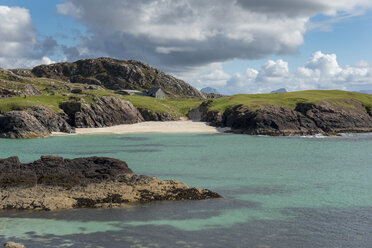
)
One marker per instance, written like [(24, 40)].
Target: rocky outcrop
[(270, 120), (15, 85), (27, 90), (117, 74), (13, 245), (57, 183), (327, 117), (149, 115), (34, 122), (105, 111)]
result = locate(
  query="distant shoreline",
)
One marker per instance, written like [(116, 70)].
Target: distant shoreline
[(150, 127)]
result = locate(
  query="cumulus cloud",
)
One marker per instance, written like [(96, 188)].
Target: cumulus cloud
[(19, 44), (173, 34), (322, 71)]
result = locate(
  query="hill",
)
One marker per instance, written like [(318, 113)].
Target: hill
[(116, 74), (293, 113)]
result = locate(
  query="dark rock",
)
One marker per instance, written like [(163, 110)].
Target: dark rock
[(50, 120), (270, 120), (149, 115), (54, 170), (338, 115), (327, 117), (37, 121), (21, 124), (76, 91), (202, 113), (106, 111), (56, 183), (116, 75)]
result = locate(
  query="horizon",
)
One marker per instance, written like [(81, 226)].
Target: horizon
[(236, 47)]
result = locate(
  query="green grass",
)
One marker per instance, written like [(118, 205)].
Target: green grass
[(176, 107), (290, 99), (14, 103)]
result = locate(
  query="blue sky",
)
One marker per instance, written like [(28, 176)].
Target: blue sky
[(313, 45)]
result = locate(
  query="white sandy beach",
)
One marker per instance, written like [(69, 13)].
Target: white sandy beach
[(152, 127)]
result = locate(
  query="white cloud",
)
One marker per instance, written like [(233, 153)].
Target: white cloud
[(19, 43), (322, 71), (17, 34), (273, 71), (178, 34)]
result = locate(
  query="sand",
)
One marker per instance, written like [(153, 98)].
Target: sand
[(152, 127)]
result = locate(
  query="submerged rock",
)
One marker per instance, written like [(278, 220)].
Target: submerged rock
[(57, 183)]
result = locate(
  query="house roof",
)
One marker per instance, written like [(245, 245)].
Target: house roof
[(152, 91)]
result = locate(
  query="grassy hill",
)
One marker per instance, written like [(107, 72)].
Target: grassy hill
[(55, 92), (290, 99)]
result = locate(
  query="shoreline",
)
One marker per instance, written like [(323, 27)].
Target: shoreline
[(183, 126)]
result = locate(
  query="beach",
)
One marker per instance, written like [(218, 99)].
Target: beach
[(184, 126)]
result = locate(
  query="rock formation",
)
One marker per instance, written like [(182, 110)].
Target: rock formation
[(327, 117), (105, 111), (40, 121), (156, 116), (57, 183), (117, 74), (33, 122)]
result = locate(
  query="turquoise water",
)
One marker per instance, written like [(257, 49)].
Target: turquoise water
[(278, 192)]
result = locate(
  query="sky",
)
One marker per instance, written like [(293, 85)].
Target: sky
[(235, 46)]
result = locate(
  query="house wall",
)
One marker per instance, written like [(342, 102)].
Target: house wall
[(160, 94)]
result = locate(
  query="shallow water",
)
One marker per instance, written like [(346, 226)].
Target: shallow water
[(278, 192)]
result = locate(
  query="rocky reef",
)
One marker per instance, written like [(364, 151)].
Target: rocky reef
[(53, 182), (327, 117), (117, 74)]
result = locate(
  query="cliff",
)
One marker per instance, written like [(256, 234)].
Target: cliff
[(316, 112), (56, 183)]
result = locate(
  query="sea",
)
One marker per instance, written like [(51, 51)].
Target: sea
[(277, 192)]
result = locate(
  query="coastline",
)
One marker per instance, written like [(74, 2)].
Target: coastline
[(183, 126)]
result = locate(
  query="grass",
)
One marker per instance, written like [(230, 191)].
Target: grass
[(176, 107), (180, 107), (290, 99), (14, 103)]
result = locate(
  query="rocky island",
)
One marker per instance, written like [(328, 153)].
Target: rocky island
[(53, 182)]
